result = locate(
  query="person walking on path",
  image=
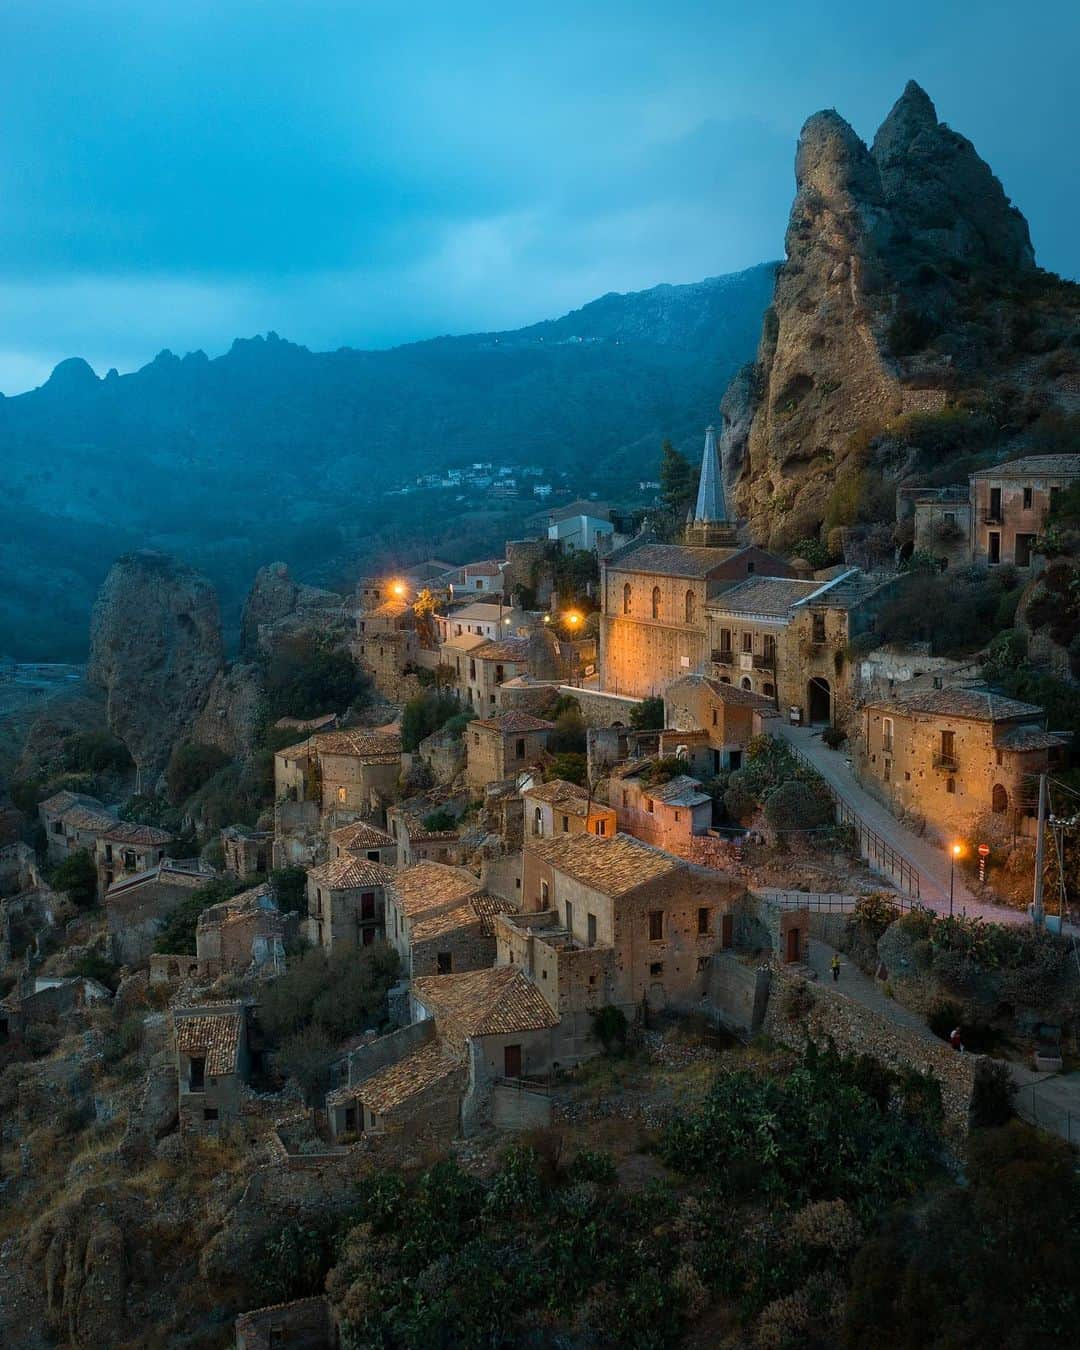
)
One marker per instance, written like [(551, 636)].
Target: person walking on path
[(834, 966), (956, 1040)]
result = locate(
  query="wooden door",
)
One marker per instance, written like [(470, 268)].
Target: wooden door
[(793, 944), (726, 930), (512, 1061)]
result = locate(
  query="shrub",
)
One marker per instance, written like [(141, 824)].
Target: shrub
[(610, 1027), (834, 737), (95, 966), (648, 715), (571, 767), (96, 752), (305, 1057), (340, 993), (992, 1095), (593, 1165), (569, 735), (427, 713), (438, 821), (77, 877), (177, 936), (190, 766), (944, 1016), (290, 887), (306, 675), (796, 806), (812, 551)]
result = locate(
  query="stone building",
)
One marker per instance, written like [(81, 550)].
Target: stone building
[(786, 638), (48, 998), (127, 850), (474, 579), (347, 773), (346, 902), (966, 760), (245, 932), (73, 822), (446, 941), (136, 909), (667, 814), (653, 597), (560, 807), (247, 852), (480, 619), (361, 840), (714, 720), (481, 665), (212, 1062), (420, 892), (614, 921), (501, 747), (416, 842), (941, 521), (1010, 503)]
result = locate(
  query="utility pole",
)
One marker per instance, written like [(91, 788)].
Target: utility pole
[(1040, 847)]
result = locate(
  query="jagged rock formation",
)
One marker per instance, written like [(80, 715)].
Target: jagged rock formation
[(229, 718), (155, 651), (277, 603), (907, 271)]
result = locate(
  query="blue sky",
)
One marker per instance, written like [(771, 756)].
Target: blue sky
[(369, 173)]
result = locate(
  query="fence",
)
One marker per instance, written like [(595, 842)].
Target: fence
[(1038, 1109), (877, 851), (826, 901)]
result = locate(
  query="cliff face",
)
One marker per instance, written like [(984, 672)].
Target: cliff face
[(155, 651), (905, 267)]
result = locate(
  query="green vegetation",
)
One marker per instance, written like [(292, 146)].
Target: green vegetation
[(77, 877), (429, 712), (678, 480), (769, 767), (569, 736), (648, 715), (308, 675), (190, 767), (572, 768), (96, 752), (438, 821), (290, 888), (178, 934), (95, 966), (957, 612)]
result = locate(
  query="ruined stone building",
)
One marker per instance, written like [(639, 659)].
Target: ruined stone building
[(346, 774), (710, 722), (72, 822), (502, 746), (667, 814), (137, 908), (1010, 503), (212, 1062), (346, 902), (245, 932), (362, 840), (126, 850), (966, 760), (415, 842), (426, 891), (247, 852), (559, 807)]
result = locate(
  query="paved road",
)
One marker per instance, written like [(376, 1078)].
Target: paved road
[(931, 862), (861, 988)]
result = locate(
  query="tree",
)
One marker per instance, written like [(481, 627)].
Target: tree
[(796, 806), (570, 733), (648, 715), (178, 934), (77, 876), (290, 887), (306, 675), (191, 766), (425, 713), (678, 480)]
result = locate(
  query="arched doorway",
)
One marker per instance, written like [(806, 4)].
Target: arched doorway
[(746, 682), (819, 700), (1000, 799)]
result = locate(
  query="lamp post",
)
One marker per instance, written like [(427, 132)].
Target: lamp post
[(954, 853)]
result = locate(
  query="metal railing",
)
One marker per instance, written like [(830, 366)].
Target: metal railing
[(945, 762), (878, 852), (1038, 1110), (723, 656), (825, 901)]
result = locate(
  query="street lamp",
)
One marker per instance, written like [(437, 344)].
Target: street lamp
[(398, 588), (954, 853)]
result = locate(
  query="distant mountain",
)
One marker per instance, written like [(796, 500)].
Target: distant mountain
[(274, 451)]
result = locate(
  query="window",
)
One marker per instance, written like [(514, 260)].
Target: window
[(591, 925), (656, 602), (476, 738), (1000, 758), (994, 547), (519, 749), (367, 905), (512, 1061), (768, 688), (108, 853), (341, 794), (746, 682), (499, 674), (677, 817), (1000, 799), (702, 963), (656, 968), (545, 891), (703, 917), (569, 918), (948, 745), (768, 648), (649, 805), (748, 642), (818, 627), (887, 735), (601, 827), (949, 517), (725, 640), (691, 606), (443, 963), (373, 855), (566, 824), (538, 820), (210, 1113), (950, 785), (58, 827), (197, 1074), (472, 670), (1027, 499), (714, 717), (749, 568), (626, 594), (656, 925)]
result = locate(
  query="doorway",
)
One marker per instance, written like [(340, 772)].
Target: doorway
[(1023, 549), (511, 1061), (791, 945), (819, 700)]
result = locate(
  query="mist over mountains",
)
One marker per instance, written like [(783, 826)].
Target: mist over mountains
[(274, 451)]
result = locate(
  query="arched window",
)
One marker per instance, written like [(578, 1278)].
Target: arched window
[(1000, 799), (768, 688), (691, 606), (746, 682), (626, 593), (656, 602)]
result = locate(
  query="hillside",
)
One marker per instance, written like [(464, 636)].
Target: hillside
[(911, 335), (275, 451)]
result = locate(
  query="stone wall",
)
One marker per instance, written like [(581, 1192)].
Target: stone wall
[(601, 709), (738, 991), (307, 1324), (515, 1106), (856, 1029)]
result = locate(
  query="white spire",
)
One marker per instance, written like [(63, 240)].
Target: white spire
[(711, 508)]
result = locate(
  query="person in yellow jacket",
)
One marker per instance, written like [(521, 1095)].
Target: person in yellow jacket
[(834, 966)]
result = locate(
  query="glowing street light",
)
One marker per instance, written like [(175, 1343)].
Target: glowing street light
[(572, 617), (398, 588), (955, 852)]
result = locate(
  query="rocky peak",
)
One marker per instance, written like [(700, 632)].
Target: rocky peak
[(155, 650)]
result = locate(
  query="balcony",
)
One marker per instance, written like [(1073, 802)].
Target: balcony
[(765, 662), (993, 518), (723, 656), (947, 763)]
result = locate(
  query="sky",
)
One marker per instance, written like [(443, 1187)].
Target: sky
[(364, 174)]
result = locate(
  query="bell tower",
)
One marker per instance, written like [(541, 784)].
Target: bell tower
[(707, 525)]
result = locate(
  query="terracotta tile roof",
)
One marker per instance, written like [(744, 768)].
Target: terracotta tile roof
[(64, 800), (771, 596), (504, 649), (612, 866), (670, 560), (361, 835), (247, 902), (513, 723), (374, 747), (980, 705), (305, 723), (389, 609), (392, 1086), (466, 642), (430, 885), (1030, 738), (216, 1035), (726, 693), (479, 908), (348, 872), (127, 832), (681, 790), (1051, 466), (568, 797), (88, 818), (493, 1002)]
